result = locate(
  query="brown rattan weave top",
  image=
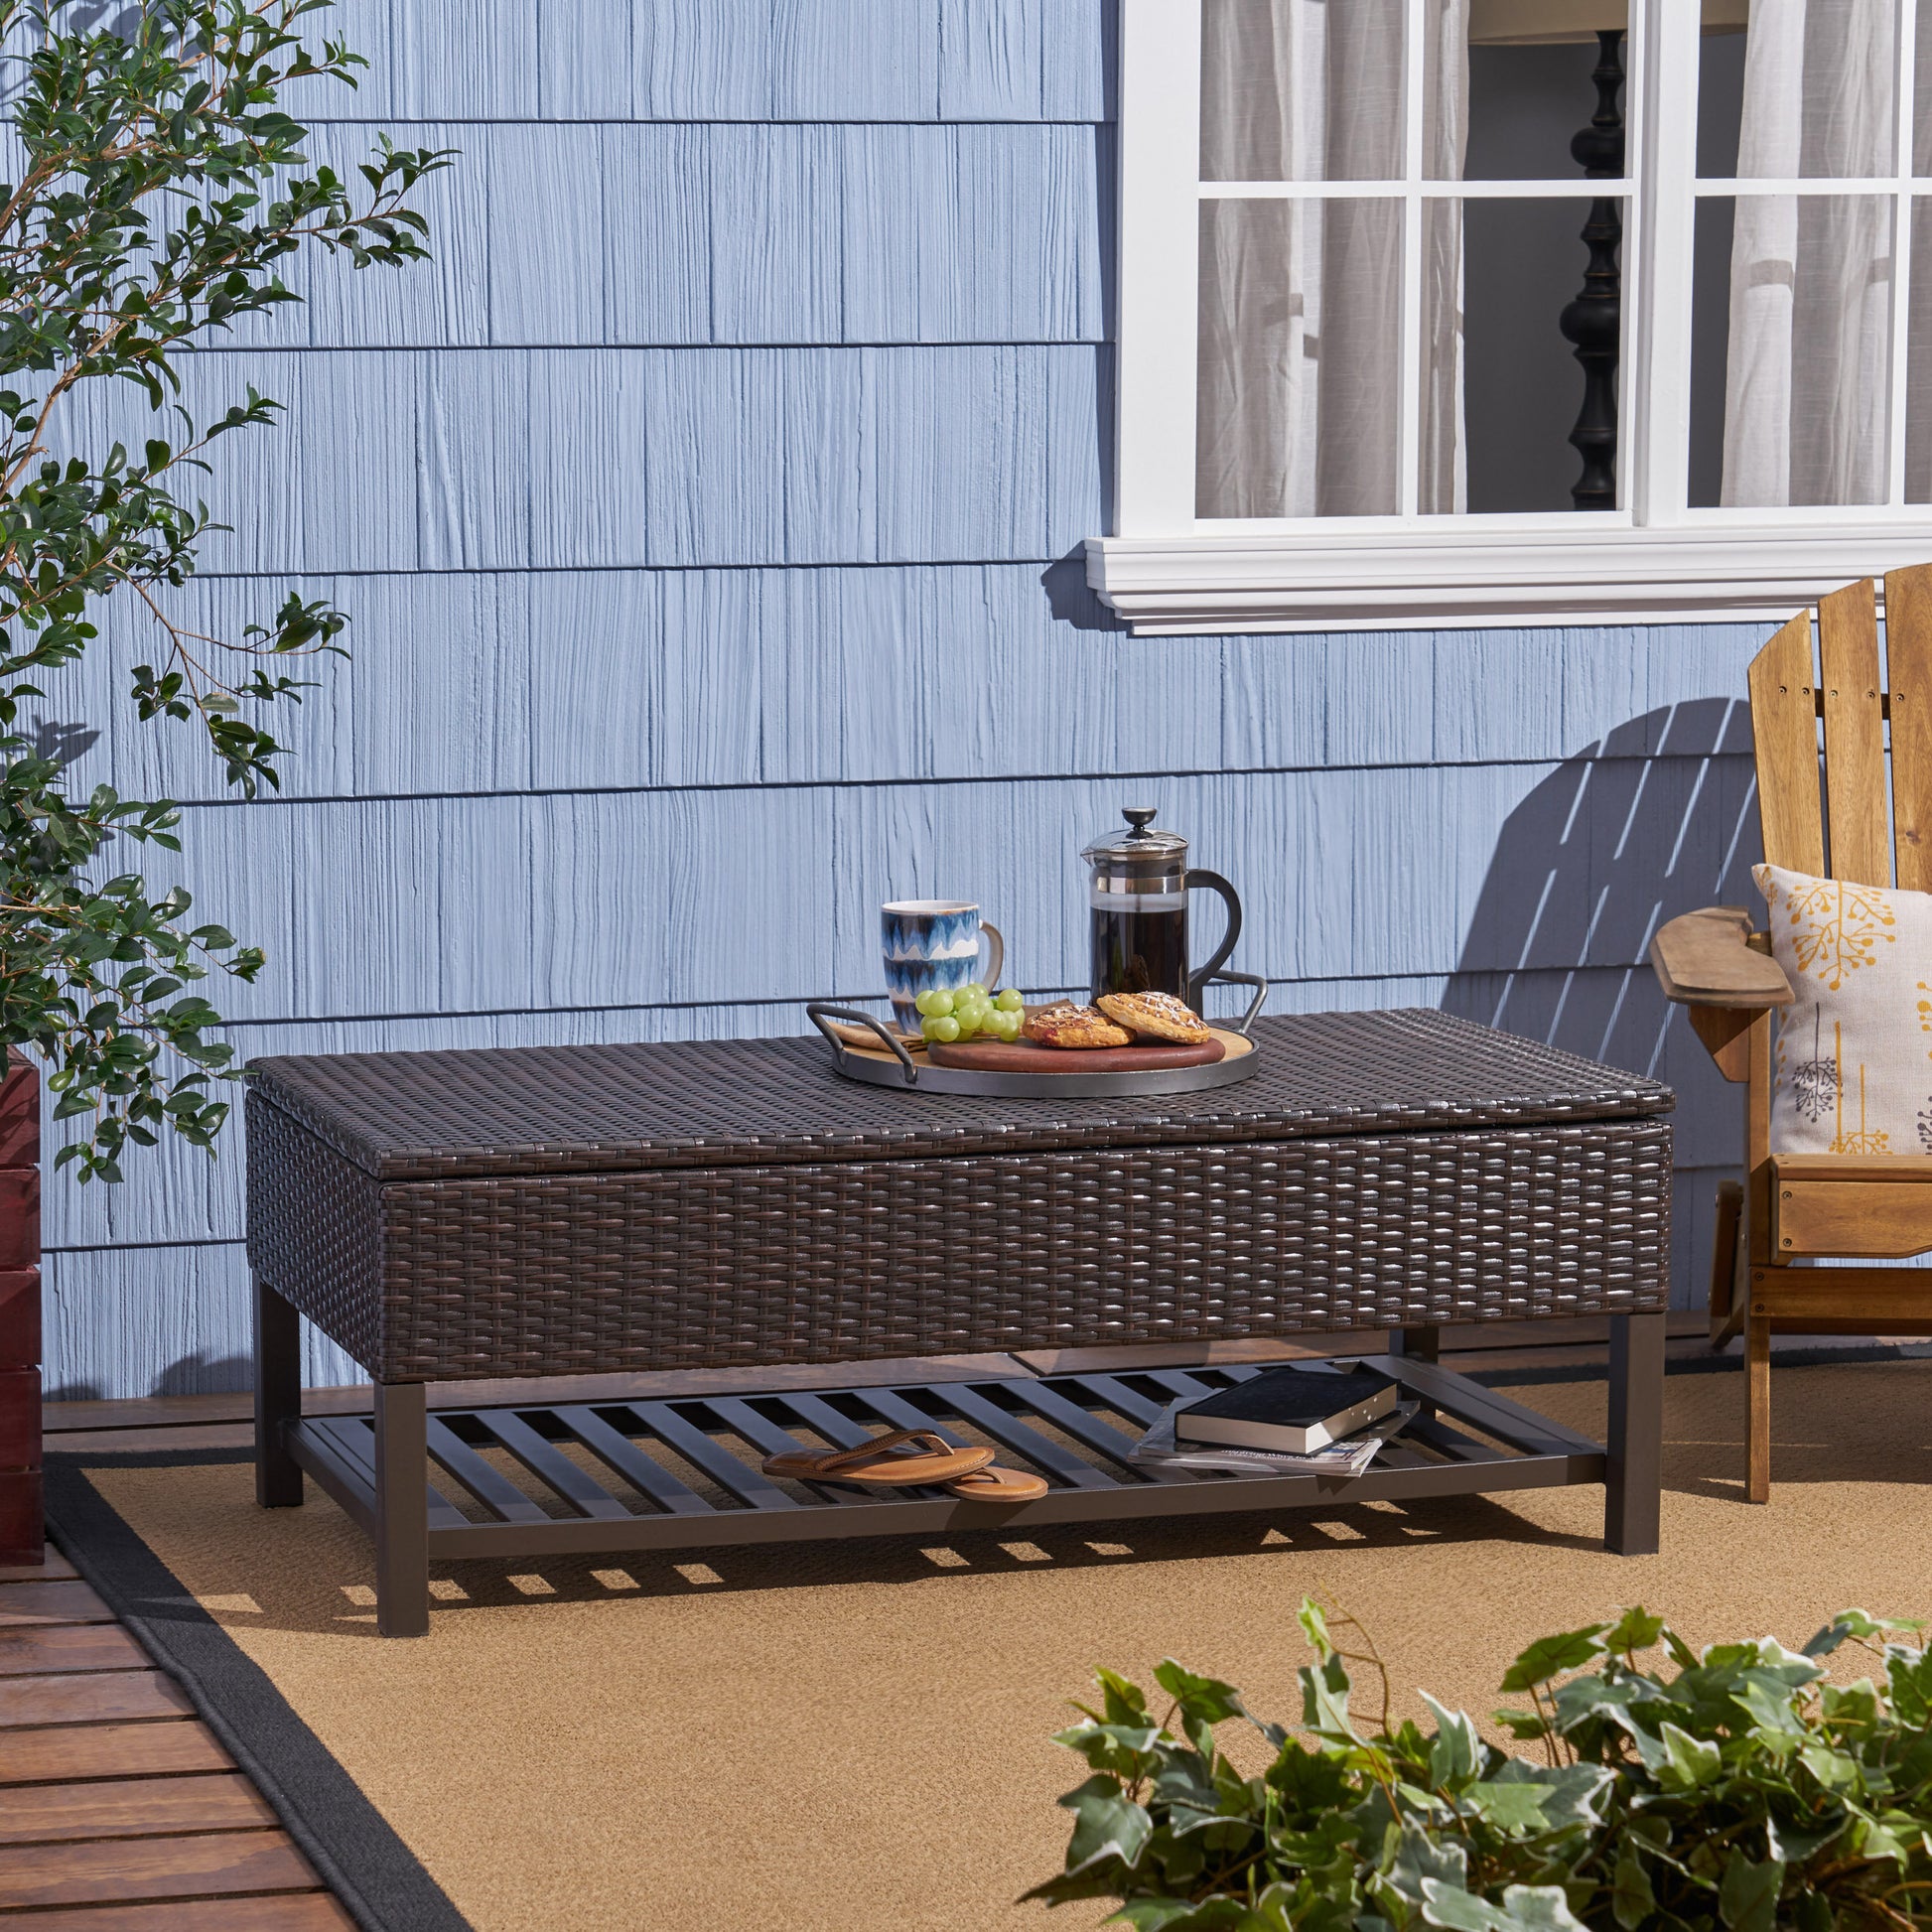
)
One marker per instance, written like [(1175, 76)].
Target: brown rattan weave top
[(582, 1109)]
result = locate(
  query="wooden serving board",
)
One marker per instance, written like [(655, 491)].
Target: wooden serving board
[(1024, 1056)]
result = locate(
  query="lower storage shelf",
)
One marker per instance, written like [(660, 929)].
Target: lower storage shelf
[(526, 1481)]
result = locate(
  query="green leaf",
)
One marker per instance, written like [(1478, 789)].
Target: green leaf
[(1205, 1699), (1637, 1629), (1324, 1699), (1793, 1844), (1594, 1695), (1769, 1704), (1314, 1626), (1107, 1825), (1836, 1770), (1125, 1702), (1418, 1856), (1515, 1809), (1152, 1914), (1689, 1762), (1813, 1912), (1524, 1908), (1851, 1624), (1549, 1657), (1456, 1756), (1566, 1794), (1123, 1749), (1460, 1910), (1747, 1899), (1540, 1908), (1632, 1897)]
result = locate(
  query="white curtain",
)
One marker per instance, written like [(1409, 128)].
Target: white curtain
[(1301, 300), (1810, 275)]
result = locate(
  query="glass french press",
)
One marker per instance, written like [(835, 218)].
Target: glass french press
[(1137, 899)]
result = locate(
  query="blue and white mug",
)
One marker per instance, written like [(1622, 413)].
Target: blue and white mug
[(935, 942)]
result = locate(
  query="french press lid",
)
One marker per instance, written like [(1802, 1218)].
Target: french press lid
[(1140, 860)]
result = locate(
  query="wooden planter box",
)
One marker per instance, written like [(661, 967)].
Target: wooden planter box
[(22, 1538)]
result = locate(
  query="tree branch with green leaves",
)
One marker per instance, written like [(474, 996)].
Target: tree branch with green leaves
[(163, 185)]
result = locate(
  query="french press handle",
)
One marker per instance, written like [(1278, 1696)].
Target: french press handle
[(1200, 876)]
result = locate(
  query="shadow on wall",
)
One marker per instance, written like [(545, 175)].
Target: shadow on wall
[(195, 1374), (1658, 818)]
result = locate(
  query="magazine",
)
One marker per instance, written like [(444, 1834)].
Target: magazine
[(1344, 1459)]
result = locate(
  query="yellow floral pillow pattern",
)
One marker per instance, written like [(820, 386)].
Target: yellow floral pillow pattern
[(1852, 1072)]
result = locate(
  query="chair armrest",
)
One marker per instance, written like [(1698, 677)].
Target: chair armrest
[(1703, 959)]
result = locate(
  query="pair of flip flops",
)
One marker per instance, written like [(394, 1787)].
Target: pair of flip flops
[(906, 1458)]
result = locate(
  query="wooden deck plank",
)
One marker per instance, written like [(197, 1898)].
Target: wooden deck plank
[(306, 1911), (36, 1650), (52, 1565), (90, 1697), (134, 1869), (62, 1752), (222, 1801), (64, 1599)]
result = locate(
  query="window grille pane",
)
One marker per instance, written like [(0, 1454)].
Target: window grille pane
[(1302, 89), (1806, 333), (1709, 346), (1301, 332), (1922, 90), (1526, 105), (1519, 389), (1918, 362), (1442, 483), (1818, 83), (1721, 103)]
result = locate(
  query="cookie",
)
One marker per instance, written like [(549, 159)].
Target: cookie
[(1156, 1016), (1071, 1026)]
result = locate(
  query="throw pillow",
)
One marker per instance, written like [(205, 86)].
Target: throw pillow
[(1852, 1072)]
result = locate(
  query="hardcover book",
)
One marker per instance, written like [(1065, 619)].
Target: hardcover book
[(1292, 1410)]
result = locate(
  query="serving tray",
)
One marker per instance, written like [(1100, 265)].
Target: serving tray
[(891, 1061)]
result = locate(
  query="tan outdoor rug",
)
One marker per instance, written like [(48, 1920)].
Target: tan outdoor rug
[(855, 1739)]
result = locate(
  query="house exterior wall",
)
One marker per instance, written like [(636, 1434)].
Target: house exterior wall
[(710, 517)]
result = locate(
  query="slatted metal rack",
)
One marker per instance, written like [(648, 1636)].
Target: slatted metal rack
[(629, 1498)]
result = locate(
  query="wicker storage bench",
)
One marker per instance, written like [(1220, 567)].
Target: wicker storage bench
[(552, 1211)]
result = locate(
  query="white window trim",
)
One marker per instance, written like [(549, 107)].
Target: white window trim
[(1651, 561)]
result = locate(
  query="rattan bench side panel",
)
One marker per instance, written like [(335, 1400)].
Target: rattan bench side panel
[(846, 1261), (315, 1229)]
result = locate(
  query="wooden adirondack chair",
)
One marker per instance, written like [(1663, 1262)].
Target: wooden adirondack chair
[(1841, 1207)]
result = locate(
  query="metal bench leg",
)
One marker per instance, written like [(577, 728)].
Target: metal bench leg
[(401, 1510), (278, 1398), (1417, 1344), (1633, 1483), (1423, 1344)]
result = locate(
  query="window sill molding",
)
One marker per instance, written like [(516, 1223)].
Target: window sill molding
[(1462, 579)]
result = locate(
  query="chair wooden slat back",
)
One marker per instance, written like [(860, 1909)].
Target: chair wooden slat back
[(1784, 725), (1908, 671), (1854, 736), (1789, 693)]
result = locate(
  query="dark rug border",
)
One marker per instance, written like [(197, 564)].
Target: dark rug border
[(379, 1881)]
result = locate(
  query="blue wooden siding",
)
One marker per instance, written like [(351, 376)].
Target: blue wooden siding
[(709, 516)]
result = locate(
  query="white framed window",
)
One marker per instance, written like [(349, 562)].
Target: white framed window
[(1328, 413)]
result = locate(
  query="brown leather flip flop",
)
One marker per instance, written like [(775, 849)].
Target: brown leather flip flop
[(995, 1485), (883, 1460)]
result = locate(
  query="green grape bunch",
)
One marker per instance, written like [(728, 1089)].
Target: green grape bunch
[(969, 1011)]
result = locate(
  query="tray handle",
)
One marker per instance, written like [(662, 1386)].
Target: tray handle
[(1227, 976), (818, 1012)]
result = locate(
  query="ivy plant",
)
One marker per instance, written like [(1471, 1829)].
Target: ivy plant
[(162, 187), (1684, 1790)]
